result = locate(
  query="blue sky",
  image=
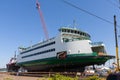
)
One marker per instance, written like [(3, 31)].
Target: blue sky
[(20, 22)]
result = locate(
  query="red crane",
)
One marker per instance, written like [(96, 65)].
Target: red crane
[(42, 19)]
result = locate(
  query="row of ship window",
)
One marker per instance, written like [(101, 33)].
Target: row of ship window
[(38, 53), (48, 44), (76, 32)]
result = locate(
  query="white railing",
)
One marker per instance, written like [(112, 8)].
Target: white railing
[(97, 44)]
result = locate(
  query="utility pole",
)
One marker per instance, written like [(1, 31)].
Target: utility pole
[(117, 56)]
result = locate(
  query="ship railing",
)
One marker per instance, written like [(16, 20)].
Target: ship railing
[(35, 45), (97, 44), (43, 42)]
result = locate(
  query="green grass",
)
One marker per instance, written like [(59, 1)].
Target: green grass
[(93, 78), (62, 77)]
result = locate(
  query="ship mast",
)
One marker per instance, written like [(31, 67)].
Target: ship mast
[(42, 19)]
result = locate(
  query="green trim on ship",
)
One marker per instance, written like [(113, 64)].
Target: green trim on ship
[(71, 58)]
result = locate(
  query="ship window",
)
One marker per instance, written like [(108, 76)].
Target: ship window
[(63, 30), (48, 44), (75, 32), (80, 33), (71, 31), (68, 31), (38, 53), (83, 34)]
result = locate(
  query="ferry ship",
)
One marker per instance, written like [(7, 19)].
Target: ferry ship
[(71, 50)]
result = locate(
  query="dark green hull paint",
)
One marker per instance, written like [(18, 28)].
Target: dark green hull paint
[(72, 61)]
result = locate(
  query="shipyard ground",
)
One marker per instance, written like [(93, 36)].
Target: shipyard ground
[(13, 77), (7, 76)]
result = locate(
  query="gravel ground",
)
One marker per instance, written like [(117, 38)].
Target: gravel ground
[(12, 77)]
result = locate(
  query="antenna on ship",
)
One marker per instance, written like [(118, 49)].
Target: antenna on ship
[(74, 24), (15, 55), (42, 19)]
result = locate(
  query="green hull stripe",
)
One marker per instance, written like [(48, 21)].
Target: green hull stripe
[(71, 58)]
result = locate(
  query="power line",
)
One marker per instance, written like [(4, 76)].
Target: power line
[(72, 5)]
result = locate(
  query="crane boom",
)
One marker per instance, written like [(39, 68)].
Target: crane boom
[(42, 19)]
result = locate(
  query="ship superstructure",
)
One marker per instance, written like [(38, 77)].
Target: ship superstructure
[(70, 50)]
